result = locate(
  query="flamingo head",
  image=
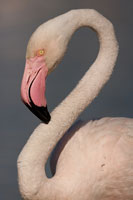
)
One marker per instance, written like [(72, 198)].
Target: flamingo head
[(45, 49)]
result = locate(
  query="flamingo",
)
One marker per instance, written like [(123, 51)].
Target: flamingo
[(93, 160)]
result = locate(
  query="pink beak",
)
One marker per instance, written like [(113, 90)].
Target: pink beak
[(33, 87)]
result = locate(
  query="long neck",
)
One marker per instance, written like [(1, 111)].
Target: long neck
[(39, 146)]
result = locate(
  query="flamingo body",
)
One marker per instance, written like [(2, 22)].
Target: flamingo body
[(94, 160)]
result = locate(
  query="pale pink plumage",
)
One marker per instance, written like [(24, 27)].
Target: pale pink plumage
[(94, 161)]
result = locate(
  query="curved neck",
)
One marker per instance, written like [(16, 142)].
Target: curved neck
[(39, 146)]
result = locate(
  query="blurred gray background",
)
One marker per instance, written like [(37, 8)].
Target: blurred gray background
[(18, 19)]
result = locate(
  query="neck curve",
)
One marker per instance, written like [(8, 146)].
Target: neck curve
[(35, 153)]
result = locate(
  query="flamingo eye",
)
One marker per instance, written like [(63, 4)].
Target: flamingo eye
[(40, 52)]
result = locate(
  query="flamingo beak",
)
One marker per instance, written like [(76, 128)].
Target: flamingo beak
[(33, 87)]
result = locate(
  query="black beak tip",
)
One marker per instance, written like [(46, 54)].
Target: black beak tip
[(45, 116), (41, 112)]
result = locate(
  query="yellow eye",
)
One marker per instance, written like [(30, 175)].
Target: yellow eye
[(40, 52)]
